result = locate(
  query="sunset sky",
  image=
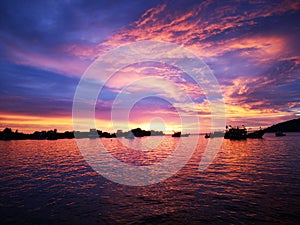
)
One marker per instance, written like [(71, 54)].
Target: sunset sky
[(251, 47)]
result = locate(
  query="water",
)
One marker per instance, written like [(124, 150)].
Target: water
[(249, 182)]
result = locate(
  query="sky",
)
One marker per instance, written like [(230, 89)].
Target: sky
[(252, 48)]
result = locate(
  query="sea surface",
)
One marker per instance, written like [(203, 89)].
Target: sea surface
[(254, 181)]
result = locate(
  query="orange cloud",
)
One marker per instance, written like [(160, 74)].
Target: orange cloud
[(29, 123), (198, 28), (194, 27)]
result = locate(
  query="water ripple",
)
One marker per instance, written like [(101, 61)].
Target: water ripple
[(249, 182)]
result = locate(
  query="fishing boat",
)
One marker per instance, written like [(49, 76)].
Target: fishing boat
[(235, 133), (256, 134), (176, 134)]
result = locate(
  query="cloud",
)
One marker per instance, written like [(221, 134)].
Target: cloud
[(274, 92), (30, 91), (61, 36), (251, 47)]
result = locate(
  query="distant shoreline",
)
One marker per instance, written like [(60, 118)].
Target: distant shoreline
[(8, 134)]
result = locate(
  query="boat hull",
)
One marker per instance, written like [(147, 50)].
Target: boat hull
[(236, 134), (256, 134)]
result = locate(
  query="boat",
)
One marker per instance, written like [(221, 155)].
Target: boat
[(176, 134), (207, 135), (280, 134), (256, 134), (235, 133)]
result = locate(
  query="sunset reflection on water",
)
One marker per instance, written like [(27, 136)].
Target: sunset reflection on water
[(251, 181)]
